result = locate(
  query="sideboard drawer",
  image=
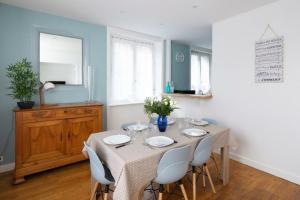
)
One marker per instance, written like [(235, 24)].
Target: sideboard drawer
[(39, 115), (75, 112)]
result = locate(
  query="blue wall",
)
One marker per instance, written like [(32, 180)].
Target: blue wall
[(180, 71), (18, 39)]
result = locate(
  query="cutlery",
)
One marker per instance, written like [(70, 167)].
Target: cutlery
[(122, 145)]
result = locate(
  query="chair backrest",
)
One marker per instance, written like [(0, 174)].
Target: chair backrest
[(125, 126), (96, 166), (153, 120), (203, 151), (210, 121), (173, 165)]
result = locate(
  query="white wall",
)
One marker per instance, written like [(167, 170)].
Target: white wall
[(264, 118), (118, 115)]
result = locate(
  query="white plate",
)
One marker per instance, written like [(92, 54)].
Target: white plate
[(199, 122), (159, 141), (195, 132), (116, 139), (137, 127), (170, 121)]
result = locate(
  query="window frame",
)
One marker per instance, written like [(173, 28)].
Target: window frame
[(157, 59)]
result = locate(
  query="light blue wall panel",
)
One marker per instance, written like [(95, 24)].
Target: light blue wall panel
[(18, 39), (180, 71)]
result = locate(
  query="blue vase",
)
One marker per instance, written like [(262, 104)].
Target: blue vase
[(162, 123)]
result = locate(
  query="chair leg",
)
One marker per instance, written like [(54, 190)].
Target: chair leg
[(161, 190), (154, 193), (213, 157), (194, 183), (106, 190), (94, 190), (209, 178), (203, 177), (183, 190), (168, 187)]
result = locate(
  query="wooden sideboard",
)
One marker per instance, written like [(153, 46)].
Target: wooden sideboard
[(52, 136)]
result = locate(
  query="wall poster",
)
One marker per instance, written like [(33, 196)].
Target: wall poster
[(269, 56)]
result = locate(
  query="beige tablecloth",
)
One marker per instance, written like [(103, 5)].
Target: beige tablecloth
[(134, 165)]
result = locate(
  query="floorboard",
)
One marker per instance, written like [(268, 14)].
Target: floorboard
[(73, 182)]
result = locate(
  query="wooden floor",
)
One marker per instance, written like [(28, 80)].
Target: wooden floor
[(73, 182)]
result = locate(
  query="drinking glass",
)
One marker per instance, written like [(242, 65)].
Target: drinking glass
[(180, 125), (146, 134), (132, 135), (187, 121), (152, 129), (138, 124)]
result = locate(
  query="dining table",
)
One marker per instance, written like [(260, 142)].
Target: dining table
[(134, 165)]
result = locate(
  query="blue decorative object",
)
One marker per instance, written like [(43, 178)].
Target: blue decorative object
[(168, 88), (162, 123)]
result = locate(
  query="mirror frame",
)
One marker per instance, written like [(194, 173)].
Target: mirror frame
[(63, 35)]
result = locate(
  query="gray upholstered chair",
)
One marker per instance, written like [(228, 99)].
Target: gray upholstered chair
[(172, 168), (201, 156), (100, 173)]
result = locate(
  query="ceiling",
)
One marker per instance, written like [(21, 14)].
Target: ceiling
[(187, 21)]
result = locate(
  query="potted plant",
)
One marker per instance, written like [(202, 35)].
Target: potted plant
[(162, 107), (23, 83)]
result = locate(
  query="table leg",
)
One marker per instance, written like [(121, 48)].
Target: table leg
[(225, 164)]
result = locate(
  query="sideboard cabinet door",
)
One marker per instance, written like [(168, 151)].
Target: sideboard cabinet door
[(43, 142), (79, 131)]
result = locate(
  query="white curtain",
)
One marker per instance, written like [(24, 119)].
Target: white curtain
[(132, 70), (200, 72), (205, 73), (195, 72)]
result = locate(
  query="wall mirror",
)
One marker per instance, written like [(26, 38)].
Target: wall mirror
[(61, 59), (190, 75)]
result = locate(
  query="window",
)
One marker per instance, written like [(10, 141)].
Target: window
[(200, 72), (135, 69)]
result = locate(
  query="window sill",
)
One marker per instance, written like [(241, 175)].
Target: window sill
[(206, 96), (124, 104)]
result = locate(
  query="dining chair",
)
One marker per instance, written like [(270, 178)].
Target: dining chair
[(201, 156), (172, 168), (100, 173), (213, 156), (153, 120), (125, 126), (210, 121)]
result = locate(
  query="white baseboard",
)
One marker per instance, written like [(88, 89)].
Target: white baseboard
[(266, 168), (7, 167)]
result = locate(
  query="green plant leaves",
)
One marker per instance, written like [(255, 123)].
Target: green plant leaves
[(23, 81), (162, 107)]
